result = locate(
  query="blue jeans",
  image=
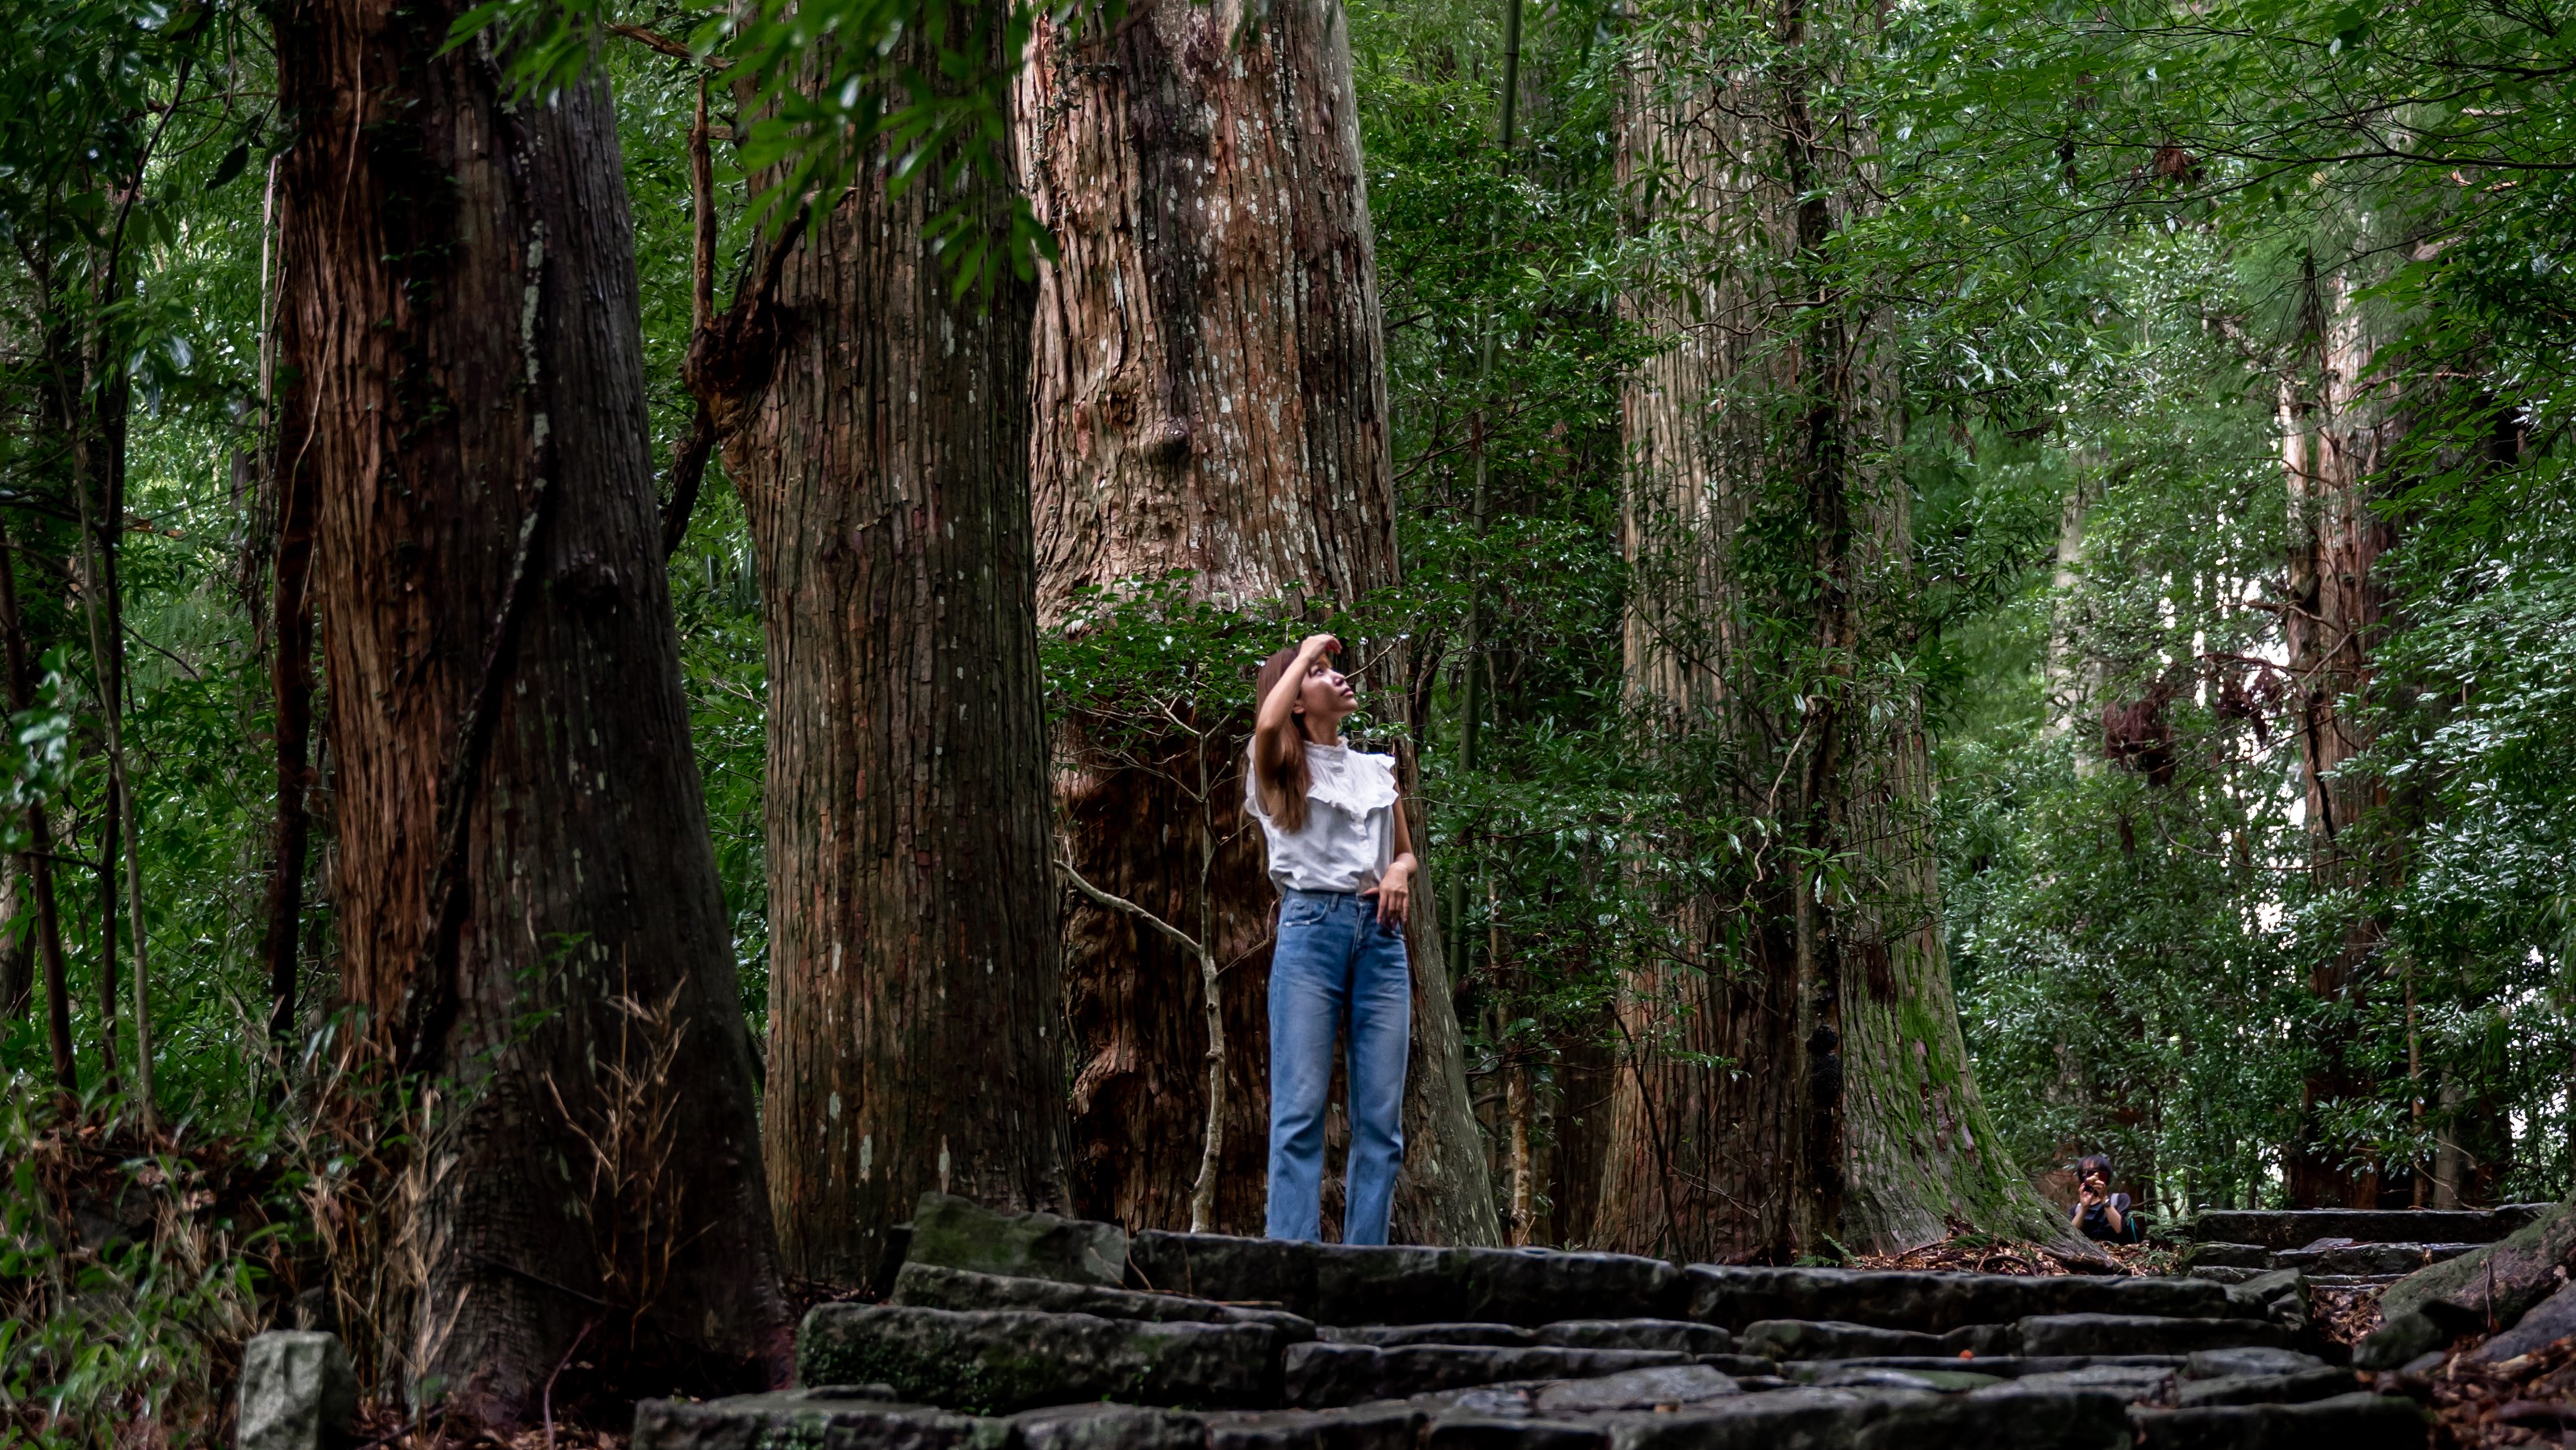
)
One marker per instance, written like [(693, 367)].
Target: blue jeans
[(1335, 962)]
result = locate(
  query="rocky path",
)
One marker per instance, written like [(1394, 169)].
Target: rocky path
[(2349, 1256), (1032, 1333), (2334, 1245)]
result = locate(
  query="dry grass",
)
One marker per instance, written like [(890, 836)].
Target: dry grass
[(126, 1281), (634, 1199)]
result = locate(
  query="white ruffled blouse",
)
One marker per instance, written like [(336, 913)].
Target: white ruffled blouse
[(1349, 837)]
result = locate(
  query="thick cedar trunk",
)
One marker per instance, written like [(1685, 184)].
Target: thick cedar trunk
[(528, 898), (877, 429), (1768, 532), (2337, 432), (1210, 397), (1586, 1079)]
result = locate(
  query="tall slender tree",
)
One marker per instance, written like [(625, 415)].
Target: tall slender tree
[(1210, 398), (2340, 433), (528, 897), (38, 859), (875, 421), (1794, 1070)]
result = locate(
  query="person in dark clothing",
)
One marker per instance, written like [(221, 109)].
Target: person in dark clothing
[(2099, 1214)]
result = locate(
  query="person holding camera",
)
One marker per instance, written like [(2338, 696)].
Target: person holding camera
[(2099, 1214)]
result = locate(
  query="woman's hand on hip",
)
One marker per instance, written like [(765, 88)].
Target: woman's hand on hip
[(1394, 893)]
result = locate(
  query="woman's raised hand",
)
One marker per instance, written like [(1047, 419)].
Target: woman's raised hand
[(1316, 646)]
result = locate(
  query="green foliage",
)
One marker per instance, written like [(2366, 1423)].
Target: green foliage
[(831, 88), (2096, 232), (1501, 278), (2113, 220), (129, 1321)]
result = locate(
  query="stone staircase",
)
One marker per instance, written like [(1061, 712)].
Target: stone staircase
[(2342, 1247), (1215, 1343)]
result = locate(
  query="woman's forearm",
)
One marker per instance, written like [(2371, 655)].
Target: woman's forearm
[(1274, 719), (1276, 704)]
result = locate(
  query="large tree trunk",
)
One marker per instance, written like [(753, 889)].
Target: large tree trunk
[(1794, 1068), (290, 671), (1210, 397), (877, 428), (528, 896), (2337, 433)]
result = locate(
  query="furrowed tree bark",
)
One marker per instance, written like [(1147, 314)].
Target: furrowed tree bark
[(290, 669), (1794, 1070), (1210, 397), (2338, 432), (877, 429), (527, 895)]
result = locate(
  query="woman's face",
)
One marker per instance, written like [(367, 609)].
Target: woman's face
[(1327, 695)]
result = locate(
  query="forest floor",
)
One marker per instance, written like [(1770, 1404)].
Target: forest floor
[(385, 1428), (1973, 1253), (198, 1204), (2530, 1400)]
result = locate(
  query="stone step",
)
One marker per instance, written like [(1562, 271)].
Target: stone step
[(1935, 1303), (1680, 1334), (999, 1361), (1828, 1374), (2133, 1383), (844, 1415), (2296, 1388), (1322, 1375), (1073, 1427), (2045, 1334), (1672, 1334), (1346, 1284), (2391, 1259), (2021, 1404), (926, 1286), (2359, 1421), (1805, 1339), (1389, 1336), (1994, 1417), (1396, 1426), (2295, 1228), (2253, 1258), (1658, 1390), (2216, 1274), (1995, 1366)]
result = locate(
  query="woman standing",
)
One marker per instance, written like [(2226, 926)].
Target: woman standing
[(1343, 863)]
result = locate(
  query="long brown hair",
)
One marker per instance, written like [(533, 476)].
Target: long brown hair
[(1283, 788)]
